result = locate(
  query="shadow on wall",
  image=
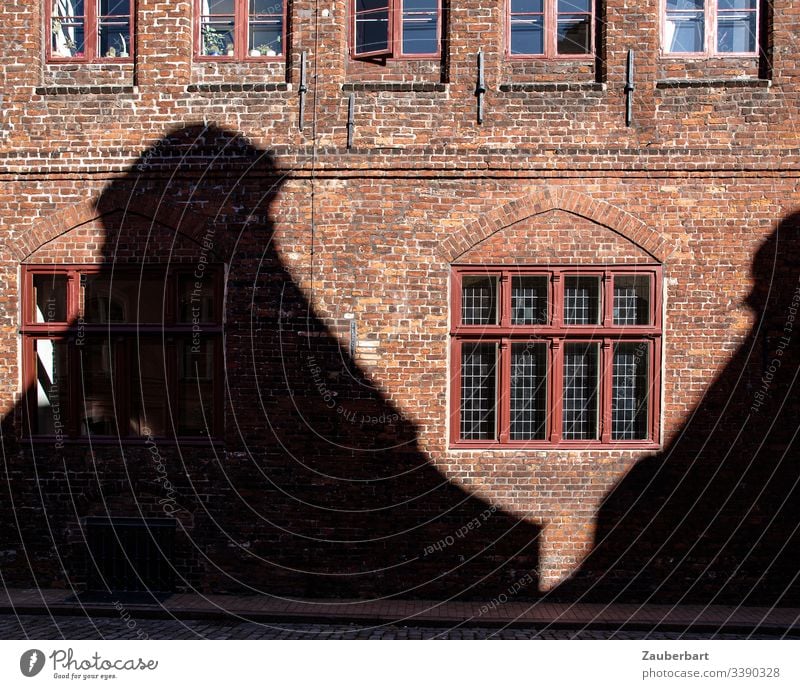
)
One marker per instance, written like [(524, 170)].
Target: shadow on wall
[(319, 488), (715, 517)]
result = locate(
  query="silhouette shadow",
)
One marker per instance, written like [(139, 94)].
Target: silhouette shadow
[(316, 487), (713, 518)]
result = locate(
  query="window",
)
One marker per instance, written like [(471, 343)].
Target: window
[(711, 27), (240, 29), (396, 28), (90, 30), (555, 356), (127, 353), (550, 28)]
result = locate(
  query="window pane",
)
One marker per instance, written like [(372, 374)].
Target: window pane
[(527, 36), (580, 391), (67, 29), (194, 409), (528, 391), (218, 36), (527, 6), (478, 300), (574, 6), (529, 300), (266, 37), (196, 300), (736, 32), (478, 391), (367, 5), (219, 7), (631, 299), (51, 387), (266, 7), (736, 4), (123, 300), (372, 32), (115, 38), (574, 37), (581, 300), (685, 32), (115, 7), (96, 404), (425, 6), (148, 388), (50, 298), (630, 398), (420, 19), (685, 5)]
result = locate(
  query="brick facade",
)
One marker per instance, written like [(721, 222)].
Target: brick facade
[(334, 476)]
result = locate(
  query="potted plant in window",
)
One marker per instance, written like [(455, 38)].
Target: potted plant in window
[(229, 49), (267, 49), (213, 41)]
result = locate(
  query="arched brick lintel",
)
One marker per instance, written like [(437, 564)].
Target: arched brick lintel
[(181, 220), (612, 217)]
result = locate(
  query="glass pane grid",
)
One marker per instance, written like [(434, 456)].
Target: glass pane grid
[(478, 301), (629, 399), (581, 301), (478, 373), (528, 392), (625, 301), (632, 300), (580, 392), (529, 301)]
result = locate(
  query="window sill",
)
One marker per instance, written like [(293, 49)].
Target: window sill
[(563, 446), (258, 87), (398, 86), (713, 83), (544, 87), (75, 90)]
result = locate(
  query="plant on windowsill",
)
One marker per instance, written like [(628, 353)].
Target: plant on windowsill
[(267, 49), (213, 41)]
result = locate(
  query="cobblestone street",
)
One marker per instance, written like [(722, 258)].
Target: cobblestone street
[(76, 628)]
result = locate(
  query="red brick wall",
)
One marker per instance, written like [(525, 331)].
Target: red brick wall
[(302, 498)]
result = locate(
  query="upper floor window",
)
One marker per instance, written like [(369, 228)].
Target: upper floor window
[(548, 356), (710, 27), (90, 30), (123, 353), (550, 28), (240, 29), (396, 28)]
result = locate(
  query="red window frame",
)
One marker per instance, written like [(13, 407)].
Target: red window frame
[(241, 50), (551, 13), (75, 331), (394, 49), (555, 334), (91, 21), (711, 14)]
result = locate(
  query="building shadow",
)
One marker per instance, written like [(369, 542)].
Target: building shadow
[(715, 516), (314, 485)]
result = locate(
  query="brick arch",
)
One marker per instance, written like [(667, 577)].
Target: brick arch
[(183, 221), (553, 198)]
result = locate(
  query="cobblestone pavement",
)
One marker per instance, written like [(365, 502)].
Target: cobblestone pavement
[(75, 628)]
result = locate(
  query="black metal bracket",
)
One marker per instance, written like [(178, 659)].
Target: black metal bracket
[(351, 121), (302, 90), (480, 87), (629, 89)]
